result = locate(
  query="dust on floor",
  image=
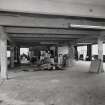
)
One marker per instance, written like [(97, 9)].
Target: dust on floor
[(72, 86)]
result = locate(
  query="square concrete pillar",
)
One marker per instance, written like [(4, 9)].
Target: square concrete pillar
[(100, 49), (89, 52), (100, 54), (56, 53), (76, 52), (71, 56), (18, 55), (12, 57), (97, 65), (3, 53), (15, 54)]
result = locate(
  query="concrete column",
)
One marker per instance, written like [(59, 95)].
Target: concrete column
[(3, 53), (76, 53), (89, 52), (12, 57), (56, 53), (15, 53), (97, 65), (31, 52), (18, 55), (100, 54), (71, 55)]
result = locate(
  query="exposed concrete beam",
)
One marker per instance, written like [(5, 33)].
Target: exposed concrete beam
[(93, 38), (88, 40), (54, 7), (48, 36), (41, 39), (25, 44), (44, 21), (14, 30), (102, 34)]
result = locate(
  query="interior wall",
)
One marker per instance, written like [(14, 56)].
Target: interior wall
[(63, 50)]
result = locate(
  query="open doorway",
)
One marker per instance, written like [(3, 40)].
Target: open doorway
[(24, 55), (82, 52)]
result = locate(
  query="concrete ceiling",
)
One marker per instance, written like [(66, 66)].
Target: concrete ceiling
[(30, 29), (29, 22), (30, 2), (94, 2), (83, 8)]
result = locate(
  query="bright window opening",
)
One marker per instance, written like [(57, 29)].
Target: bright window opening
[(24, 51)]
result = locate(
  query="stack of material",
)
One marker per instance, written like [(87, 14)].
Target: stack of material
[(45, 67)]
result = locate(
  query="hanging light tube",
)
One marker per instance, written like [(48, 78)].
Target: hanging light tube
[(87, 26)]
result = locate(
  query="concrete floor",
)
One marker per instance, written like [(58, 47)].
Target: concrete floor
[(73, 86)]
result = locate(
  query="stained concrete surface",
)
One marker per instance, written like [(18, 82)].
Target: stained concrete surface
[(72, 86)]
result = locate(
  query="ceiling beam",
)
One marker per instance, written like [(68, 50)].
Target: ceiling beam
[(48, 36), (43, 43), (92, 41), (44, 21), (41, 39), (17, 30)]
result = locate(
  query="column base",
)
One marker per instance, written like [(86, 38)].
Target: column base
[(71, 63), (96, 66), (3, 78)]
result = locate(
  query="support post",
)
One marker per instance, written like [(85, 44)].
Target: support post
[(3, 53), (89, 52), (76, 53), (97, 65), (18, 55), (56, 53), (15, 54), (12, 57), (100, 54), (71, 55)]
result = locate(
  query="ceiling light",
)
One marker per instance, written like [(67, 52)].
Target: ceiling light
[(87, 26), (83, 43)]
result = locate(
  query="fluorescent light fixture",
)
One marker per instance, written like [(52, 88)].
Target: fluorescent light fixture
[(87, 26), (83, 43)]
